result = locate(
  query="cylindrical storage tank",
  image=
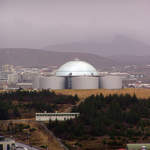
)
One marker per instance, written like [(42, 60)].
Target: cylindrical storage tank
[(84, 82), (35, 82), (110, 82), (52, 82)]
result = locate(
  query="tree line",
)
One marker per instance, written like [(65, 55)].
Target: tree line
[(14, 103)]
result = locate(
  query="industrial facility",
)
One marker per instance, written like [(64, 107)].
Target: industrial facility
[(77, 74), (55, 116)]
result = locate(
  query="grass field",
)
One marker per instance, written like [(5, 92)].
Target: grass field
[(140, 93)]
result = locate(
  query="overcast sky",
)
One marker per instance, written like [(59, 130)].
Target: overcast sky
[(38, 23)]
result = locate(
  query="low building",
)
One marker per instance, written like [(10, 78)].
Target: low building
[(55, 116), (6, 143), (138, 146)]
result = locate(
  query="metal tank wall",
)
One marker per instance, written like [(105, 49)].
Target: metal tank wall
[(35, 82), (110, 82), (52, 82), (84, 82)]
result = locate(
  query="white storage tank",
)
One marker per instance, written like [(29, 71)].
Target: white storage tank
[(52, 82), (110, 82), (36, 82), (12, 79), (84, 82)]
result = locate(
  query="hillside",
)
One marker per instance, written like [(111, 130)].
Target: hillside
[(106, 122), (121, 49), (131, 59), (38, 137), (117, 46), (38, 58), (24, 104)]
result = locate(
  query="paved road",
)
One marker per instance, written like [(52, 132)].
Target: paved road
[(24, 147), (51, 134)]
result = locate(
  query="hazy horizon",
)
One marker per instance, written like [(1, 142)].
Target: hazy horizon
[(37, 23)]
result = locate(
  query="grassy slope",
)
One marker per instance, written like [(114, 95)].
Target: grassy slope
[(96, 143), (37, 138)]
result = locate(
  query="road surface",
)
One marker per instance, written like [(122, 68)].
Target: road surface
[(24, 147)]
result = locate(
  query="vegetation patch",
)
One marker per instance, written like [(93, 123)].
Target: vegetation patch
[(24, 104), (111, 121)]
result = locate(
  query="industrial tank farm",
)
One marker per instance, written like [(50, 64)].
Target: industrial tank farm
[(77, 74)]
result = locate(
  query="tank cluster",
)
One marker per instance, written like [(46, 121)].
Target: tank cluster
[(78, 82), (77, 75)]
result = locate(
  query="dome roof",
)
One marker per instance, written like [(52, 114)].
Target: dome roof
[(76, 68)]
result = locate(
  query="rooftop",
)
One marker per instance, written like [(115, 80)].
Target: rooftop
[(76, 68)]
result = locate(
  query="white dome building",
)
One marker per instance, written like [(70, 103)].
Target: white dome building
[(76, 68)]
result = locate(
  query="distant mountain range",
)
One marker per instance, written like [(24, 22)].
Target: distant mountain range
[(120, 51), (118, 46), (35, 57), (131, 60)]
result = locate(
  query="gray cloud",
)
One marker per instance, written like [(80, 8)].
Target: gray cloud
[(37, 23)]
